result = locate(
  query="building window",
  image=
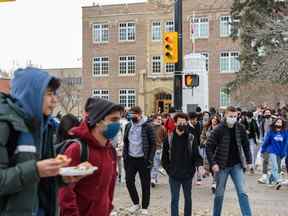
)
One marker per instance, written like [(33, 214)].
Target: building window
[(101, 93), (170, 68), (225, 97), (206, 55), (156, 64), (127, 31), (127, 65), (127, 97), (227, 25), (100, 33), (229, 62), (199, 27), (156, 31), (169, 26), (100, 66)]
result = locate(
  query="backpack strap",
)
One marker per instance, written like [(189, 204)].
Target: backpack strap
[(84, 151)]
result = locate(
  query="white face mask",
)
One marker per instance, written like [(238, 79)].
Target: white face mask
[(231, 121)]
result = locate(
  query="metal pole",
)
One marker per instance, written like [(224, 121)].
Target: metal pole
[(178, 99)]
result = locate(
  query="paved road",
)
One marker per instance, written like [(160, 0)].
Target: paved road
[(265, 201)]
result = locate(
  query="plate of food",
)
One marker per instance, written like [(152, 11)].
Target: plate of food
[(77, 171)]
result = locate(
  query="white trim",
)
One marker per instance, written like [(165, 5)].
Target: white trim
[(101, 70), (101, 29), (155, 21), (191, 26), (126, 65), (229, 57), (135, 31), (25, 148)]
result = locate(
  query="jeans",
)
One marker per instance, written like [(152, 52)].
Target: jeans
[(238, 178), (253, 150), (132, 167), (175, 186), (156, 166), (275, 168)]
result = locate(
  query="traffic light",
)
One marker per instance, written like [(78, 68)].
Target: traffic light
[(191, 80), (171, 47)]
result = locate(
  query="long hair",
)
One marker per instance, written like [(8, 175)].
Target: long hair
[(273, 125), (209, 124)]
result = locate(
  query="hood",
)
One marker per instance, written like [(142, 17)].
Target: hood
[(83, 132), (28, 87), (143, 120)]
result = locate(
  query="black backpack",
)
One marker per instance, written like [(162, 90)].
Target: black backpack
[(60, 148)]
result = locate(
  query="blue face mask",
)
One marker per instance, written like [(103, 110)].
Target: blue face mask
[(111, 130), (129, 116)]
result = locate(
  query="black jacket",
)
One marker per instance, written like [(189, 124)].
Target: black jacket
[(148, 141), (219, 142), (169, 159), (252, 128)]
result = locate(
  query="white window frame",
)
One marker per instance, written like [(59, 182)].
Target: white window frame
[(102, 30), (206, 55), (169, 27), (128, 93), (127, 63), (154, 61), (127, 29), (197, 23), (225, 26), (169, 65), (230, 58), (156, 31), (228, 22), (101, 74), (227, 102), (101, 93)]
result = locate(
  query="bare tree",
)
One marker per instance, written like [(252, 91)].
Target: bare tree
[(69, 96)]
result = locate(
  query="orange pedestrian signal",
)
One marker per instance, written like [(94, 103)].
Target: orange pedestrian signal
[(191, 80), (171, 47)]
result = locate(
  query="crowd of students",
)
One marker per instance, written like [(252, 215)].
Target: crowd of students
[(123, 143)]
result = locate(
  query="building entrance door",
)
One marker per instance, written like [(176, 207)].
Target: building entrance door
[(163, 102)]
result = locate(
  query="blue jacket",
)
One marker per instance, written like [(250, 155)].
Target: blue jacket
[(275, 142)]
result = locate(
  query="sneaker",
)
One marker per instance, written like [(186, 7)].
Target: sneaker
[(153, 183), (144, 212), (252, 171), (198, 182), (278, 186), (133, 209), (213, 188), (263, 179)]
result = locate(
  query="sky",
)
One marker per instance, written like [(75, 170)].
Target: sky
[(46, 33)]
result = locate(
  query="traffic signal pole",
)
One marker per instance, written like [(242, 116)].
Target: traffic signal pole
[(178, 98)]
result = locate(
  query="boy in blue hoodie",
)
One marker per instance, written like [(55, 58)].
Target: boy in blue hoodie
[(27, 161)]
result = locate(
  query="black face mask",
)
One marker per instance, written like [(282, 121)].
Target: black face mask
[(267, 116), (278, 126), (134, 119), (181, 128)]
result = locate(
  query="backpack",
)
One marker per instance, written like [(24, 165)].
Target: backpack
[(190, 147), (60, 148)]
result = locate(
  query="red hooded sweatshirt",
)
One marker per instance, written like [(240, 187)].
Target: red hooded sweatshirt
[(92, 195)]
